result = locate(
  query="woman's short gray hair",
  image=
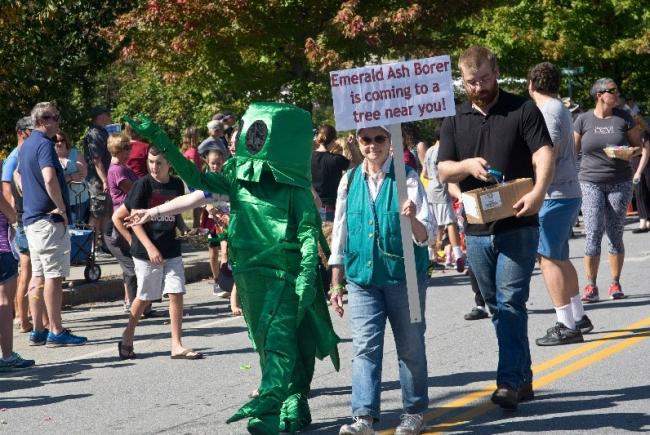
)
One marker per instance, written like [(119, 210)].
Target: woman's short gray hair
[(42, 108), (600, 85)]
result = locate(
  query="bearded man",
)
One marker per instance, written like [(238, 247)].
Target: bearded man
[(499, 130)]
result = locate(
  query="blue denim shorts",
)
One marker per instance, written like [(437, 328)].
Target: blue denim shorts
[(8, 266), (556, 218), (21, 240)]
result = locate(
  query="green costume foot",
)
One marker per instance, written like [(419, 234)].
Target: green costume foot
[(259, 406), (295, 414), (266, 425)]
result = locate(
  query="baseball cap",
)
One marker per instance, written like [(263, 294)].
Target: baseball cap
[(221, 116), (215, 125), (383, 127), (24, 123)]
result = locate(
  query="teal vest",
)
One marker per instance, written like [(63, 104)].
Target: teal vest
[(374, 253)]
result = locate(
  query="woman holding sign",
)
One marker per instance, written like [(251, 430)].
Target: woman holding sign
[(367, 252)]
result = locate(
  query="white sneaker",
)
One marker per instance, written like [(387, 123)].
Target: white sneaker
[(411, 424), (361, 426)]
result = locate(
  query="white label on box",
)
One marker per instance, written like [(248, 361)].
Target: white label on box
[(491, 200), (470, 206)]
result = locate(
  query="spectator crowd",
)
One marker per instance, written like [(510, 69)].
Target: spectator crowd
[(51, 185)]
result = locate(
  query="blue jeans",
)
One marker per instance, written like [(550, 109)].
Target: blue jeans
[(503, 264), (369, 307)]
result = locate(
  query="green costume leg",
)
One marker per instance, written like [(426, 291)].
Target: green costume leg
[(295, 414), (270, 308)]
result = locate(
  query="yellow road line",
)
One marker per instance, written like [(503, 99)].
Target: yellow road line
[(544, 380), (541, 367)]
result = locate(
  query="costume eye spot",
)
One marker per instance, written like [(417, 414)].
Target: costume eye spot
[(256, 136)]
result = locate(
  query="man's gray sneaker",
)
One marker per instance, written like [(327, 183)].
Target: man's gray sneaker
[(361, 426), (411, 424)]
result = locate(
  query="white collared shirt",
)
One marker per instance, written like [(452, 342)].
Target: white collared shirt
[(414, 191)]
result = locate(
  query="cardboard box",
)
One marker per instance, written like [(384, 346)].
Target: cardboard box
[(622, 153), (489, 204)]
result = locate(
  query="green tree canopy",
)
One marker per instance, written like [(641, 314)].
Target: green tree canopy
[(192, 58), (52, 50), (609, 38)]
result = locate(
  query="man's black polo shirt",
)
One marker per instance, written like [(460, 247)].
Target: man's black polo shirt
[(513, 129)]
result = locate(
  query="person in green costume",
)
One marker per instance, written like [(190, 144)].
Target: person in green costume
[(273, 239)]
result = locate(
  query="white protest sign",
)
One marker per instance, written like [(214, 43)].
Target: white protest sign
[(389, 95), (393, 93)]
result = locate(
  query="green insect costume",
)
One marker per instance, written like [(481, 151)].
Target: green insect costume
[(273, 240)]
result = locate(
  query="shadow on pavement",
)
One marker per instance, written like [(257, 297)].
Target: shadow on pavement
[(453, 380), (629, 301), (644, 332), (541, 414), (45, 374)]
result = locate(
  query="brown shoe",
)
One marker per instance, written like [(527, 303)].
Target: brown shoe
[(526, 392), (506, 398)]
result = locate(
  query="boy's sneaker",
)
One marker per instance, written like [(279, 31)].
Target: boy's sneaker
[(15, 362), (38, 338), (615, 291), (460, 265), (64, 338), (584, 325), (590, 294), (411, 424), (560, 334), (361, 426)]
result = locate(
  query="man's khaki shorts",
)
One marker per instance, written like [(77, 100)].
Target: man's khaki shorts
[(49, 248)]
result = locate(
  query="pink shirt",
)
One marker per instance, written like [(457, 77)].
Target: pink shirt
[(138, 158), (192, 154)]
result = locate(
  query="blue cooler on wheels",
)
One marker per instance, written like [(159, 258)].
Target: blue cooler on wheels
[(82, 252)]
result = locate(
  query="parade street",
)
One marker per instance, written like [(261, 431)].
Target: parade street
[(600, 386)]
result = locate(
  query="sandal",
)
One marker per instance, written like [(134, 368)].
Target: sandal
[(29, 328), (188, 354), (125, 352)]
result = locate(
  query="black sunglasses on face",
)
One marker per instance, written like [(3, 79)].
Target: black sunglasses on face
[(54, 118), (380, 139), (612, 91)]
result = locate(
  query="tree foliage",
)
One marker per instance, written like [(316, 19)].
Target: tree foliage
[(609, 38), (52, 50), (183, 60), (228, 54)]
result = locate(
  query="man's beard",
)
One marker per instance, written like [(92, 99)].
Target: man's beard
[(483, 97)]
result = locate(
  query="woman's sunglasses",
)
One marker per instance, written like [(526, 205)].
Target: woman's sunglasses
[(379, 139), (612, 91)]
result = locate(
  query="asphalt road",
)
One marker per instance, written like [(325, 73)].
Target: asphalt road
[(600, 386)]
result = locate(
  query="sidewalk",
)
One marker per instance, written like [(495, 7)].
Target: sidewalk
[(111, 286)]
